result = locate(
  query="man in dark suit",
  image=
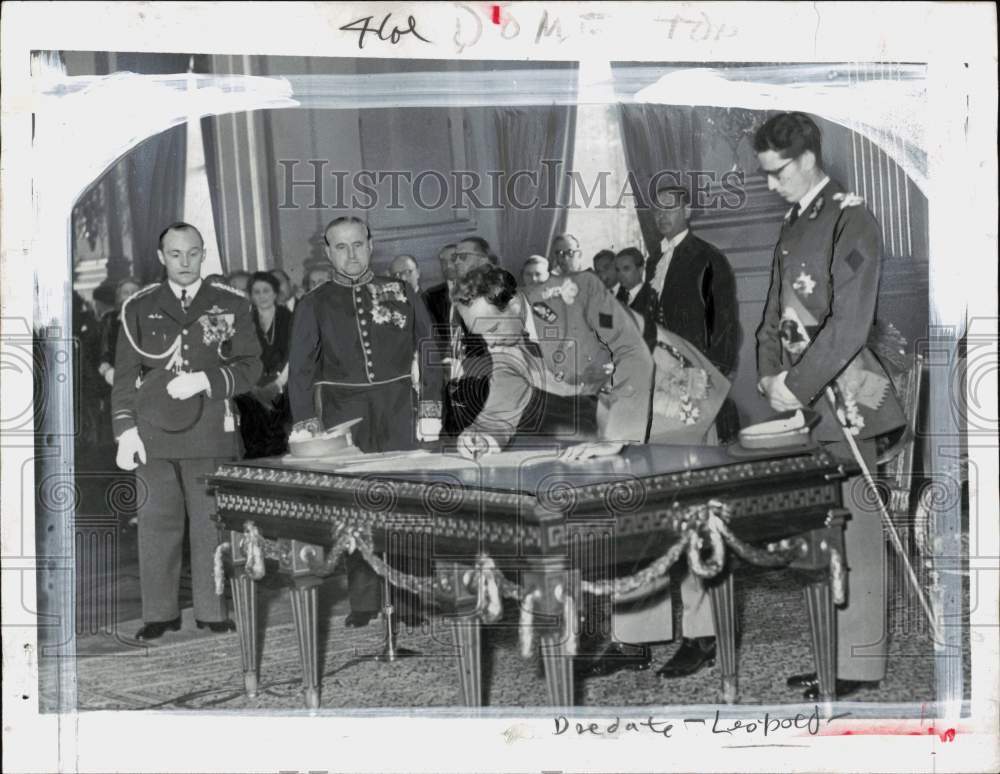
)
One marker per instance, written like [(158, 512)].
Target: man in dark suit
[(437, 299), (185, 350), (812, 342), (354, 339), (635, 294), (697, 301)]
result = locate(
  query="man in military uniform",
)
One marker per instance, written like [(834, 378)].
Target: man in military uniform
[(354, 342), (186, 348), (819, 314), (568, 347)]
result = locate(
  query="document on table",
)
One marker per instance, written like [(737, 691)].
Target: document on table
[(421, 461)]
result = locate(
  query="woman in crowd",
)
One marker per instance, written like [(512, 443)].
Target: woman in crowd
[(110, 325), (264, 411)]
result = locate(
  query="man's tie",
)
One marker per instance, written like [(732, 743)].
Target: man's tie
[(794, 214), (622, 296), (185, 301)]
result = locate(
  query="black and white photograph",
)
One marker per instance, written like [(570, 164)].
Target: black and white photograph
[(500, 387)]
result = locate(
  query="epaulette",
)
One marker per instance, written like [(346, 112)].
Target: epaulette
[(314, 288), (139, 293), (230, 288)]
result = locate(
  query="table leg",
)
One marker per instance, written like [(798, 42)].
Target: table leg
[(467, 635), (558, 663), (823, 628), (724, 618), (245, 604), (553, 579), (303, 596)]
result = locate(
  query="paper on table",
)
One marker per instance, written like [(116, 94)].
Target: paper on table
[(422, 461)]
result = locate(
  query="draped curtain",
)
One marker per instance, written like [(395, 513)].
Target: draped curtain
[(156, 196), (658, 139), (527, 136), (210, 137)]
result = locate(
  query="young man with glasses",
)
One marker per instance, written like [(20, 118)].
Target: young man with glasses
[(813, 342)]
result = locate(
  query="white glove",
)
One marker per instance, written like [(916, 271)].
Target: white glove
[(184, 386), (109, 376), (779, 396), (282, 379), (130, 445), (428, 429)]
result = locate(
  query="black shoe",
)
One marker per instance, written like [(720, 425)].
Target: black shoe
[(802, 681), (615, 658), (217, 627), (692, 655), (360, 618), (153, 630), (843, 688)]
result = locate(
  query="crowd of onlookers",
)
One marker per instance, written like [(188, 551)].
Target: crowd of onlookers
[(264, 412)]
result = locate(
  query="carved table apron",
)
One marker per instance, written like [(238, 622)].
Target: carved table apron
[(537, 522)]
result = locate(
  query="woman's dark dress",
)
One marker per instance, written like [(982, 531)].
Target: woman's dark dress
[(265, 431)]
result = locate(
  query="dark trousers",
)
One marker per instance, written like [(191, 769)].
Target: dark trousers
[(172, 490), (389, 425)]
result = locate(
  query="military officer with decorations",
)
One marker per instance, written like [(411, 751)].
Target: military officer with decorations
[(185, 348), (356, 340), (813, 340)]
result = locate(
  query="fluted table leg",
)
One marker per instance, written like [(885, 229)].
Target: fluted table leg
[(303, 598), (724, 618), (245, 604), (823, 628), (467, 635)]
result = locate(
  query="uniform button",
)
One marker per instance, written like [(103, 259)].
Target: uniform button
[(364, 321), (186, 347), (186, 362), (185, 331), (784, 252), (560, 375)]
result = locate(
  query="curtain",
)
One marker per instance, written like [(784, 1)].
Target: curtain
[(658, 140), (527, 137), (210, 137), (156, 196)]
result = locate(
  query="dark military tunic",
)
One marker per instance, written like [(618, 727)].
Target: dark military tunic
[(215, 335), (819, 314), (355, 341)]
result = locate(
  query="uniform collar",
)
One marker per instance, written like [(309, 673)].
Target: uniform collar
[(672, 243), (350, 282), (812, 193), (192, 289)]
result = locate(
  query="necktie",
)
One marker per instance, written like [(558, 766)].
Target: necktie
[(794, 214), (622, 296), (185, 301)]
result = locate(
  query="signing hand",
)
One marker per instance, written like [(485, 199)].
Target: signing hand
[(778, 395), (585, 451), (472, 444), (184, 386), (130, 446)]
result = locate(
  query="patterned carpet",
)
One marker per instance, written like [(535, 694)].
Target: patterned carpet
[(193, 671)]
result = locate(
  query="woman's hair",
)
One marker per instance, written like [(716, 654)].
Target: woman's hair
[(122, 283), (264, 276), (489, 282)]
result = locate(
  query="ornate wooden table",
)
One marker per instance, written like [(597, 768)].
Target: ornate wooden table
[(532, 531)]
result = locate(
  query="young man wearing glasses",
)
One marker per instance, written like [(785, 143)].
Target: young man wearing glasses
[(818, 317)]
